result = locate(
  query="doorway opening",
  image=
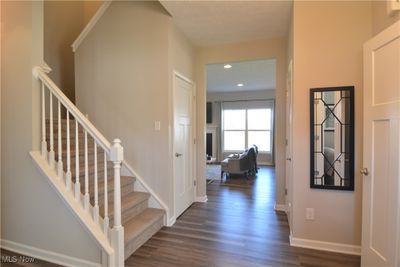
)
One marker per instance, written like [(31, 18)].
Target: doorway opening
[(240, 118)]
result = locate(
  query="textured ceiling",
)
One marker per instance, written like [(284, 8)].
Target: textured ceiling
[(220, 22), (254, 75)]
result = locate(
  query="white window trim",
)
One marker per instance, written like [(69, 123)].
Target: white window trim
[(269, 105)]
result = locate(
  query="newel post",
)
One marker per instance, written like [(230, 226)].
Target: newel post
[(117, 232)]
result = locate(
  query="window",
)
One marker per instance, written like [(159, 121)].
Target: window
[(245, 127), (234, 129)]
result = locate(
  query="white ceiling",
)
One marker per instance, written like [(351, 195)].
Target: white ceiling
[(218, 22), (254, 75)]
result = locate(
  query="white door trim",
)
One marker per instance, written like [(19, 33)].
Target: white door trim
[(194, 123), (289, 147)]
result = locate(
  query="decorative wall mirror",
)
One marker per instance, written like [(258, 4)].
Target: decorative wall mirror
[(332, 138)]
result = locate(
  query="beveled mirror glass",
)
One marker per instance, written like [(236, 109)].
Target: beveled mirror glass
[(332, 138)]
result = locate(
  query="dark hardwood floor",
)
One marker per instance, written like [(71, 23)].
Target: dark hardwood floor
[(236, 227)]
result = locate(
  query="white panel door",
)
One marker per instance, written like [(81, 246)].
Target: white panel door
[(183, 144), (380, 222)]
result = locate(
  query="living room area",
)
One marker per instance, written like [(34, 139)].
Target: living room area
[(240, 120)]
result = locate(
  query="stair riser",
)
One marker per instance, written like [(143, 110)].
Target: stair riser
[(125, 190), (128, 214), (132, 212), (134, 244)]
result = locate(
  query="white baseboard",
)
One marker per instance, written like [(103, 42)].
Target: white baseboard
[(201, 199), (326, 246), (266, 164), (46, 255), (280, 207), (171, 221)]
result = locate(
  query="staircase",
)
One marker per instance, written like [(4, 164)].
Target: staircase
[(89, 168), (139, 221)]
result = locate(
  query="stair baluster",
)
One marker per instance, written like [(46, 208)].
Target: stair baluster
[(60, 170), (96, 193), (68, 174), (51, 153), (44, 142), (86, 196), (106, 219), (77, 183)]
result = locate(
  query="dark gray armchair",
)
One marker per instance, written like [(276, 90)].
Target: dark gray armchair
[(245, 163)]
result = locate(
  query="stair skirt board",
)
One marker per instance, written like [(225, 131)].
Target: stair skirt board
[(46, 255)]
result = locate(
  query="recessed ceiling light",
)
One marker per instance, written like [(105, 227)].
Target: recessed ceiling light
[(227, 66), (240, 84)]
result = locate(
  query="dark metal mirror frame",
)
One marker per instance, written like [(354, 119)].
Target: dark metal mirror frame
[(350, 186)]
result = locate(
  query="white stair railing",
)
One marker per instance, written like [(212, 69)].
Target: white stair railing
[(113, 152)]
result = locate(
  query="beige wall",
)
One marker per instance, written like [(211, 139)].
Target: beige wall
[(124, 80), (63, 22), (1, 43), (328, 40), (181, 52), (380, 19), (32, 212), (262, 49), (89, 9)]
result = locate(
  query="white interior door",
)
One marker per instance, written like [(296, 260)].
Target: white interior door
[(183, 144), (288, 172), (380, 222)]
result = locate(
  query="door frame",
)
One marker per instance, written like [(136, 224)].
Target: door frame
[(176, 74), (289, 142)]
